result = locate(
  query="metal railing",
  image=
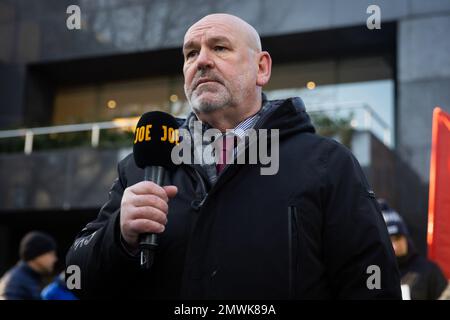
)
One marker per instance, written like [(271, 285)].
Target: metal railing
[(94, 127), (370, 117)]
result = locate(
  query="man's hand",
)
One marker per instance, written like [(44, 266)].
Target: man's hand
[(144, 209)]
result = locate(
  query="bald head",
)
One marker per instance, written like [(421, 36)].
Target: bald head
[(224, 69), (240, 28)]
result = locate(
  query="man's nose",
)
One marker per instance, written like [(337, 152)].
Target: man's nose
[(204, 60)]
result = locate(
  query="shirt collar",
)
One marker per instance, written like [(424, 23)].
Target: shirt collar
[(244, 125)]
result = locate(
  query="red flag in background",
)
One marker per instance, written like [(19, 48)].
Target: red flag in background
[(438, 236)]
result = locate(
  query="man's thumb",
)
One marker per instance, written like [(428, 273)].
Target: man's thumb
[(171, 191)]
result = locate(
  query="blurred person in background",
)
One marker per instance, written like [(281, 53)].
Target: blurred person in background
[(37, 259), (421, 278)]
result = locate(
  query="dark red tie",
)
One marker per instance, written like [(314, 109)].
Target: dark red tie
[(226, 155)]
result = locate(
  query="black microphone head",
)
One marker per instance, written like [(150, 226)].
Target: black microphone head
[(155, 136)]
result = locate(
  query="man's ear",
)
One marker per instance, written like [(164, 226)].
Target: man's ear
[(264, 68)]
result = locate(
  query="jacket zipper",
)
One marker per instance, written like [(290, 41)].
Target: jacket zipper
[(197, 204)]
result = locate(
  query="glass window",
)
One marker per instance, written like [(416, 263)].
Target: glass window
[(360, 88), (124, 99)]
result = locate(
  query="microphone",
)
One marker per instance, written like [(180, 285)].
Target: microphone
[(155, 136)]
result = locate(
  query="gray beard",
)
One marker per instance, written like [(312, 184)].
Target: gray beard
[(208, 107)]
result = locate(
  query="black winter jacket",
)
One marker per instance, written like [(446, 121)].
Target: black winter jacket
[(21, 283), (311, 231), (424, 277)]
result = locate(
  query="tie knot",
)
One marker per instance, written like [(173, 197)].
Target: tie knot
[(226, 144)]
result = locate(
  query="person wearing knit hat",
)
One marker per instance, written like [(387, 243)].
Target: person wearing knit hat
[(397, 229), (24, 281), (421, 278), (35, 244)]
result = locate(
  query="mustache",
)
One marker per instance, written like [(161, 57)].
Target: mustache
[(206, 74)]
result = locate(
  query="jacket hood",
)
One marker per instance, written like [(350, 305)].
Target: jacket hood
[(287, 115)]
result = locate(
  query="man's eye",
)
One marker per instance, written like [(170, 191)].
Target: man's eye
[(219, 48), (191, 54)]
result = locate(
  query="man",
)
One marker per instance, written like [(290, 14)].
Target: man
[(25, 280), (421, 278), (312, 230)]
